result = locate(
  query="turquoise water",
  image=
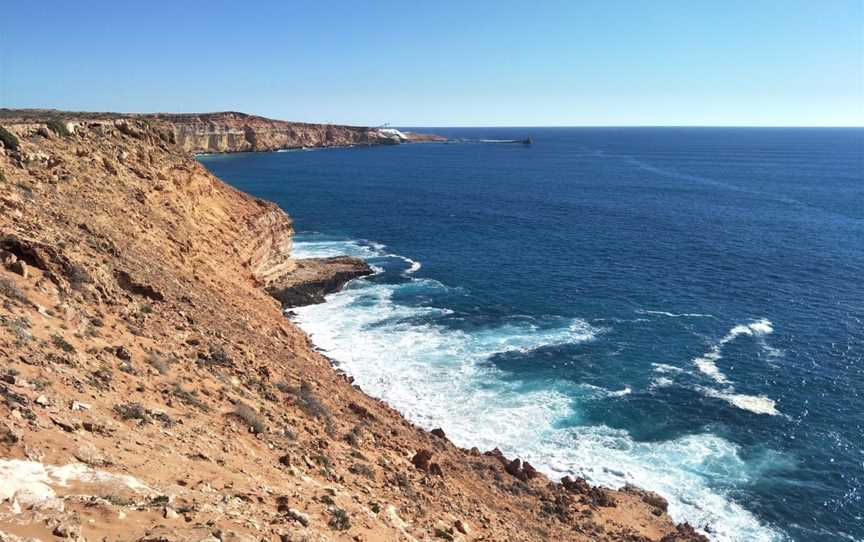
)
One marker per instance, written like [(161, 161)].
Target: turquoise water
[(681, 309)]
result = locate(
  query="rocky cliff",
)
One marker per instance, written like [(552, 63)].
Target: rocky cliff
[(151, 388)]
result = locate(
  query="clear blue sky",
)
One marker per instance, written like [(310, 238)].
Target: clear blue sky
[(466, 63)]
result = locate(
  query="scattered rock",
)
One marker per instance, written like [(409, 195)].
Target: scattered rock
[(421, 460), (299, 517), (438, 432), (461, 527), (8, 435), (79, 406), (123, 353), (684, 532), (170, 513), (650, 498), (20, 267), (282, 504), (522, 470), (42, 401), (67, 530)]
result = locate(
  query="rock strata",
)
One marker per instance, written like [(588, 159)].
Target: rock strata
[(313, 278)]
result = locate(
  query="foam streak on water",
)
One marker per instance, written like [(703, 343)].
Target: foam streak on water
[(438, 376)]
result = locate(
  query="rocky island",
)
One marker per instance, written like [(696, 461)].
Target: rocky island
[(152, 389)]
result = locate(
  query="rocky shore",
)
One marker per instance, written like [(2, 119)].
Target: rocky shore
[(151, 388)]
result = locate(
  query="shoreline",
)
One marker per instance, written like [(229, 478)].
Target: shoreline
[(343, 339), (147, 323)]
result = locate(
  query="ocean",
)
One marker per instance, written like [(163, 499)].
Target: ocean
[(677, 308)]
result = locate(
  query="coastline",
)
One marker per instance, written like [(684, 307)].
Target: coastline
[(151, 310)]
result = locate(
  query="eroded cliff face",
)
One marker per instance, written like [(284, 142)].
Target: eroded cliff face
[(238, 132), (151, 389)]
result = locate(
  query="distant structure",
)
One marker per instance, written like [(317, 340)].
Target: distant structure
[(392, 132)]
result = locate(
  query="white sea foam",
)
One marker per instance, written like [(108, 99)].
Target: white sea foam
[(673, 315), (327, 248), (665, 368), (661, 382), (707, 364), (442, 377), (758, 404)]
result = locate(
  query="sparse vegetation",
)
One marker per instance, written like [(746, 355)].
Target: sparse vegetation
[(117, 500), (10, 141), (155, 360), (189, 397), (339, 521), (101, 378), (20, 327), (252, 419), (11, 291), (60, 342), (310, 404), (361, 469), (217, 357), (40, 384), (78, 276), (58, 127), (133, 411)]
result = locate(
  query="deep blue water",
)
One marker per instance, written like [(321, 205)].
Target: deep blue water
[(682, 309)]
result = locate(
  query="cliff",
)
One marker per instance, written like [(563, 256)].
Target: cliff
[(234, 132), (151, 388)]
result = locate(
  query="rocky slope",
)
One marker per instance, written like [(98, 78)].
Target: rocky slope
[(152, 390)]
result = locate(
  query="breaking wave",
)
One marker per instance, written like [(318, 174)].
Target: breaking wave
[(440, 374), (707, 364)]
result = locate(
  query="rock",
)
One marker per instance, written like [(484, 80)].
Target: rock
[(8, 435), (436, 470), (42, 401), (170, 513), (79, 406), (684, 533), (67, 530), (438, 432), (578, 486), (20, 267), (282, 504), (523, 471), (123, 353), (649, 497), (285, 460), (529, 470), (421, 459), (314, 278), (299, 517), (461, 527), (514, 468)]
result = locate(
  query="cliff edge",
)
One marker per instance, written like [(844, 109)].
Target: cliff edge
[(151, 389)]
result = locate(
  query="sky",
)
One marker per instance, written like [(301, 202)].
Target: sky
[(443, 63)]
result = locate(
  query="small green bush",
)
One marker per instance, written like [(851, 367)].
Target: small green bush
[(10, 141), (58, 127)]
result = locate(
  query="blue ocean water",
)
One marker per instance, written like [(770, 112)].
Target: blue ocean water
[(681, 309)]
